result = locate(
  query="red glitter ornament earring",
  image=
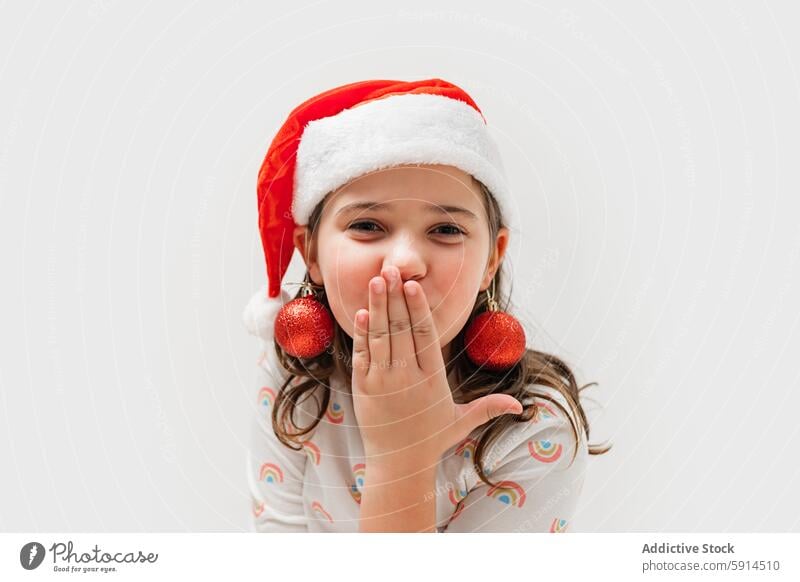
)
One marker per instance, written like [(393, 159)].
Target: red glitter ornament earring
[(495, 339), (304, 326)]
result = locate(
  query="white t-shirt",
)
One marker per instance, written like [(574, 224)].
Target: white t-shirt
[(318, 489)]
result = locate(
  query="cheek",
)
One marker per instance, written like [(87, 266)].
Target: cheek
[(346, 275), (462, 261), (455, 298), (459, 278)]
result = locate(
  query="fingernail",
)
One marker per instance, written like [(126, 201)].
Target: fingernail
[(377, 286)]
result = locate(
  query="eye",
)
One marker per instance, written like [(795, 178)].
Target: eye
[(362, 222), (455, 232)]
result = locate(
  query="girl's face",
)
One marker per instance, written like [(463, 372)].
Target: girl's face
[(429, 221)]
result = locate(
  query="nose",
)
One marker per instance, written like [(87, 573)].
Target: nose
[(407, 258)]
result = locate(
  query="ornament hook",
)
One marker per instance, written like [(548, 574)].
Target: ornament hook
[(307, 286), (490, 300)]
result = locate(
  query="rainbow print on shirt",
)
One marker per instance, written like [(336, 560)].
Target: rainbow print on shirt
[(358, 482), (266, 397), (335, 413), (543, 412), (508, 492), (456, 495), (312, 451), (558, 526), (466, 449), (316, 506), (545, 451), (258, 508), (270, 473)]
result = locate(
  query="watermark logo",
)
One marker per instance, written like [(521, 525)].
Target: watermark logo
[(31, 555), (66, 559)]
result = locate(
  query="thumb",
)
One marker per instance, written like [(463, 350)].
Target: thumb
[(486, 408)]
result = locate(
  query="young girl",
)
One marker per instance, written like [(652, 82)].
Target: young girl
[(395, 393)]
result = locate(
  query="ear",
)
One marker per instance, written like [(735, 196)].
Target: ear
[(496, 258), (302, 239)]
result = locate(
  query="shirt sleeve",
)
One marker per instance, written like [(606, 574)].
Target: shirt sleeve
[(274, 471), (537, 483)]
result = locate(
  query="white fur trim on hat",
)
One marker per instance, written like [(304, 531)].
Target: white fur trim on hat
[(402, 129), (259, 315)]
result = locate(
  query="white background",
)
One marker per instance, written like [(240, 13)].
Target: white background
[(653, 151)]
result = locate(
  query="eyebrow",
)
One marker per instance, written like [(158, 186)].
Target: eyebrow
[(436, 209)]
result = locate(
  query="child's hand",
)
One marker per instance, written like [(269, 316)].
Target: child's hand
[(401, 395)]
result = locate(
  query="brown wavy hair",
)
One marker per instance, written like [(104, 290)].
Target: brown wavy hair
[(472, 382)]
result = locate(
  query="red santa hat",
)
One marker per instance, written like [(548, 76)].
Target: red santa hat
[(347, 132)]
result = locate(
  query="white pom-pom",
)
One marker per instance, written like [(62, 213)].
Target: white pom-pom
[(259, 315)]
